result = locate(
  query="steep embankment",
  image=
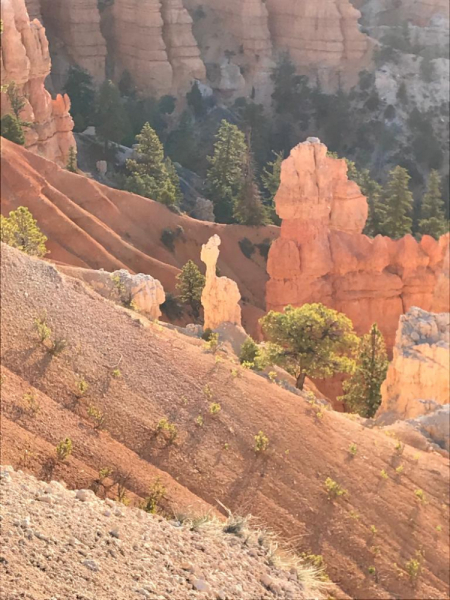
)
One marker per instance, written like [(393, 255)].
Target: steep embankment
[(62, 542), (165, 374), (91, 225)]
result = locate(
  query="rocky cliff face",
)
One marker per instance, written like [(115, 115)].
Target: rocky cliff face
[(323, 38), (25, 60), (75, 26), (322, 256), (418, 378)]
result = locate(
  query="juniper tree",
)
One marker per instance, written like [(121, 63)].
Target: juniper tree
[(362, 391), (310, 341), (270, 179), (397, 221), (225, 174), (432, 216), (374, 194), (248, 207), (190, 286), (20, 230)]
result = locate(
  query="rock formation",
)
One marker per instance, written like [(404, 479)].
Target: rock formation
[(76, 25), (142, 292), (418, 379), (182, 49), (322, 37), (220, 297), (322, 256), (25, 60), (154, 42)]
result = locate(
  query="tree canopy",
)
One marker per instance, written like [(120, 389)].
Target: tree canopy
[(432, 214), (190, 286), (20, 230), (310, 341)]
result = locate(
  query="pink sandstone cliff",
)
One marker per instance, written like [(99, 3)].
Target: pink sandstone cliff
[(153, 40), (25, 60), (322, 255), (77, 25), (322, 37)]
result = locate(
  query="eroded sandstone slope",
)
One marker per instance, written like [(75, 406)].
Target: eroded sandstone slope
[(165, 374)]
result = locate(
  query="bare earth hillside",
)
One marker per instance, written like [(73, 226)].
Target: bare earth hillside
[(368, 537), (91, 225), (75, 542)]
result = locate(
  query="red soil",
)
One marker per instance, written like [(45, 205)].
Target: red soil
[(165, 374), (91, 225)]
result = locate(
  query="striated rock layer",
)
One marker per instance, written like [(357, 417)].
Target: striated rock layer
[(418, 379), (76, 24), (322, 37), (322, 256), (25, 60), (220, 297), (153, 40)]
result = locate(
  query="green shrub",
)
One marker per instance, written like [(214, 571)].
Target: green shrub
[(20, 230), (261, 442), (97, 416), (64, 449), (249, 351), (157, 493), (168, 430), (333, 489)]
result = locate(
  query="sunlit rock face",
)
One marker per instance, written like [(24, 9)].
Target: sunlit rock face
[(25, 61), (322, 255), (220, 297), (417, 381)]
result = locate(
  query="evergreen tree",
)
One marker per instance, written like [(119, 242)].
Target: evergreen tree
[(80, 90), (248, 208), (182, 145), (111, 118), (190, 286), (72, 165), (174, 178), (362, 390), (432, 216), (195, 100), (16, 100), (270, 179), (225, 174), (374, 194), (11, 129), (152, 176), (310, 341), (20, 230), (396, 220)]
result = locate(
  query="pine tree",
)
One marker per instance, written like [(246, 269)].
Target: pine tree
[(190, 286), (80, 90), (270, 179), (248, 208), (72, 164), (151, 175), (432, 221), (20, 230), (397, 221), (225, 175), (111, 118), (195, 100), (11, 129), (362, 390), (374, 194)]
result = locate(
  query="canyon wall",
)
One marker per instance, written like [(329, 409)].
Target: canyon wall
[(25, 61), (75, 25), (322, 37), (322, 255), (418, 379)]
